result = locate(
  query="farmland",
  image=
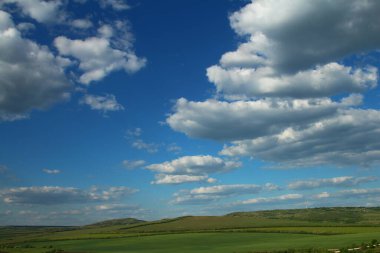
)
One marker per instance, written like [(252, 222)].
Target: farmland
[(264, 231)]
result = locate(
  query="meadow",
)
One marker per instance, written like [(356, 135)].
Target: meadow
[(303, 230)]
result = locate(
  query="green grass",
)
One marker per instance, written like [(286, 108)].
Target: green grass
[(238, 232)]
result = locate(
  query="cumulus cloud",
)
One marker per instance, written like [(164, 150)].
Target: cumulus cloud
[(351, 138), (278, 90), (41, 10), (133, 164), (326, 80), (105, 103), (222, 120), (282, 39), (345, 181), (191, 169), (31, 76), (49, 171), (194, 165), (270, 200), (97, 57), (54, 195)]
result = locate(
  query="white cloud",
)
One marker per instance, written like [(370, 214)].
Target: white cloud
[(174, 148), (97, 57), (364, 193), (131, 133), (194, 165), (188, 169), (345, 181), (204, 195), (118, 5), (219, 120), (116, 207), (180, 179), (81, 23), (326, 80), (133, 164), (48, 171), (105, 103), (282, 78), (55, 195), (270, 200), (31, 76), (41, 10), (282, 39), (350, 138), (142, 145)]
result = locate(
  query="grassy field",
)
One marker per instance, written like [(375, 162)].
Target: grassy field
[(321, 228)]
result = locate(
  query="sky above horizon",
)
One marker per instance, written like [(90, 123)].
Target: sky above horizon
[(156, 109)]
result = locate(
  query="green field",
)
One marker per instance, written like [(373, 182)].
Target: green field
[(265, 231)]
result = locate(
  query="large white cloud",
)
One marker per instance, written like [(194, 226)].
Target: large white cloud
[(334, 29), (351, 138), (326, 80), (188, 169), (278, 92), (220, 120), (31, 77)]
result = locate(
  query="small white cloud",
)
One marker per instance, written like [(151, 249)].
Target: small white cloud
[(48, 171), (131, 133), (118, 5), (173, 148), (81, 23), (142, 145), (105, 103), (133, 164)]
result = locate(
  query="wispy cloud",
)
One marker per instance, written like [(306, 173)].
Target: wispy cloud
[(55, 195), (345, 181), (49, 171)]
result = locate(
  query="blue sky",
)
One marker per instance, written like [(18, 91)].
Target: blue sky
[(154, 109)]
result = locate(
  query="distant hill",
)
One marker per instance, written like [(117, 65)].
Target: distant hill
[(342, 215), (326, 216), (115, 222)]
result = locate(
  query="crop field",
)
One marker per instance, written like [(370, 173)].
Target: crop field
[(268, 231)]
